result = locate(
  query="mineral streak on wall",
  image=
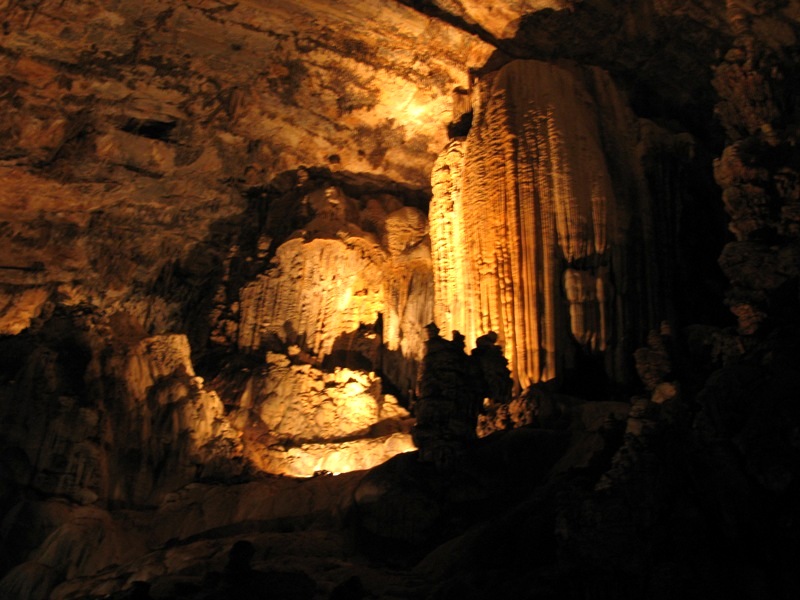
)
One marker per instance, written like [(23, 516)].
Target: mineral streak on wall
[(532, 227)]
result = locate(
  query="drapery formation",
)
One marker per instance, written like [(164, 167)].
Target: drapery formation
[(540, 219)]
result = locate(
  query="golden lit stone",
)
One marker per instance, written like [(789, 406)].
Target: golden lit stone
[(316, 291), (526, 226)]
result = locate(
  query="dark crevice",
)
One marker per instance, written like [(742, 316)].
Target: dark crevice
[(460, 128), (431, 10), (150, 128)]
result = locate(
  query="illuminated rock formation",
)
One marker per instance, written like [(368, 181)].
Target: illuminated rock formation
[(21, 306), (306, 460), (171, 420), (139, 422), (301, 404), (315, 292), (533, 230), (351, 286), (343, 297), (133, 131), (298, 420), (238, 190)]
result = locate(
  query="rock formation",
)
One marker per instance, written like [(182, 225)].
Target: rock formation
[(448, 400), (538, 218), (219, 250), (297, 420), (139, 425), (490, 370), (140, 131), (339, 291), (760, 183)]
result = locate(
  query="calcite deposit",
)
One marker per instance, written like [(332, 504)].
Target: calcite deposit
[(333, 278), (538, 216)]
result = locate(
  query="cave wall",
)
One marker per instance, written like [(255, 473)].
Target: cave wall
[(141, 144), (254, 178), (352, 284), (137, 137), (177, 177), (134, 131)]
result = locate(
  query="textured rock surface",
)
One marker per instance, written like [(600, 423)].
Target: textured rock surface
[(335, 279), (359, 454), (316, 292), (176, 177), (228, 67), (297, 420), (139, 425), (137, 128), (500, 20), (87, 540), (141, 546), (761, 184), (538, 217)]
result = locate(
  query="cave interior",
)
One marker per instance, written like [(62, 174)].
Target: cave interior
[(399, 299)]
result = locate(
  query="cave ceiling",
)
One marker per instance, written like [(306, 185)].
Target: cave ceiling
[(347, 84), (254, 88)]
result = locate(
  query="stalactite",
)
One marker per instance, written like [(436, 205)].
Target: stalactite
[(529, 232)]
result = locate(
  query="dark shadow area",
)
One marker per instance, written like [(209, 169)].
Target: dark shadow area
[(14, 352), (150, 128), (348, 359), (647, 58), (60, 335), (461, 127), (588, 379), (193, 281)]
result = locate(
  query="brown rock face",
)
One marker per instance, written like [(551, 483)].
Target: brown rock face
[(218, 253), (537, 218), (500, 19), (760, 182), (298, 75), (139, 425), (136, 129), (315, 292)]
